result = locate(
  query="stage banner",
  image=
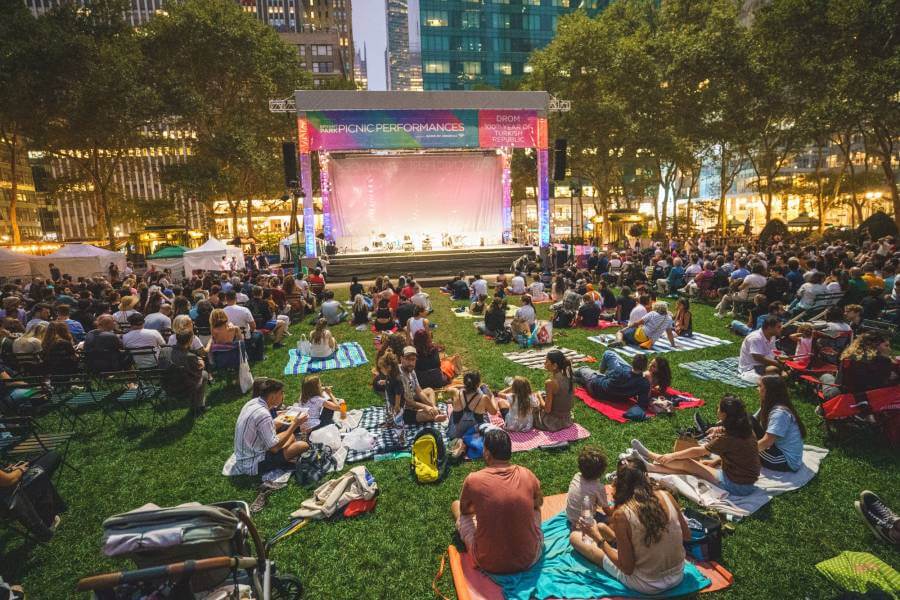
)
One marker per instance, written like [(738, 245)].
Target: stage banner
[(392, 129), (507, 128)]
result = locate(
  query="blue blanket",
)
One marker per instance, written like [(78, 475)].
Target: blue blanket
[(349, 354), (563, 573)]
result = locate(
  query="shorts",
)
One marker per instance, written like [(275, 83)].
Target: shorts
[(274, 461), (736, 489), (773, 459), (409, 416)]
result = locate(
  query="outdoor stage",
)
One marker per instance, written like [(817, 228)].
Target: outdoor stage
[(424, 265), (418, 181)]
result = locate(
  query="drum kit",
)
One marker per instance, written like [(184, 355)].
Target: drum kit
[(381, 242)]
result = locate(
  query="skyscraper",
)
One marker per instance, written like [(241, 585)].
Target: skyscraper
[(361, 68), (468, 42), (397, 54)]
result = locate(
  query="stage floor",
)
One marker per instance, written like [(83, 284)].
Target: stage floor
[(434, 251)]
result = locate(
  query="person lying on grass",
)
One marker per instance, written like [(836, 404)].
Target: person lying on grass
[(498, 514), (647, 528), (617, 380), (735, 464)]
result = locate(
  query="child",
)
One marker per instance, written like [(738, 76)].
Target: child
[(477, 307), (319, 403), (517, 403), (684, 320), (360, 310), (804, 340), (588, 482)]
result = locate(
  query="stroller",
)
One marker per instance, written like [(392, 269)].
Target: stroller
[(190, 551)]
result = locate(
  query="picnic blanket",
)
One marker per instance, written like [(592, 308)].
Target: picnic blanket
[(535, 358), (724, 371), (860, 572), (603, 324), (529, 440), (769, 485), (395, 439), (348, 354), (510, 313), (616, 409), (474, 584), (699, 340)]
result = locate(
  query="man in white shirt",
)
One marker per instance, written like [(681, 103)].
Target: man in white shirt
[(758, 351), (146, 342), (239, 316), (755, 280), (517, 284), (479, 287), (639, 311)]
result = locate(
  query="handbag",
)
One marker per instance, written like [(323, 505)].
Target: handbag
[(245, 377), (314, 464), (304, 346), (706, 536)]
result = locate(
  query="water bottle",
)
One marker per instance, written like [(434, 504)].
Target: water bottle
[(587, 515)]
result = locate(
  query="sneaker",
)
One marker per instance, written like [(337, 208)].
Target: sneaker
[(56, 521), (616, 344), (877, 515), (638, 447)]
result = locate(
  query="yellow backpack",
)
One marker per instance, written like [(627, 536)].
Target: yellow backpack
[(429, 457)]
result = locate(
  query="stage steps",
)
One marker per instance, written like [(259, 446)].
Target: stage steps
[(434, 263)]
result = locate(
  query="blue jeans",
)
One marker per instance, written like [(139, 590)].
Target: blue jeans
[(628, 335), (612, 367), (740, 328)]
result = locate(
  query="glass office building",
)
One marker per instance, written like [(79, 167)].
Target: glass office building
[(467, 43)]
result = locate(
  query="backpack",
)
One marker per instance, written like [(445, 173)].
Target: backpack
[(314, 464), (429, 457), (706, 536), (563, 318), (504, 336)]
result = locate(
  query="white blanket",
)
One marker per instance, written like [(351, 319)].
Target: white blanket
[(769, 485)]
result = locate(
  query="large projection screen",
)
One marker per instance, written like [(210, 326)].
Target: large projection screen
[(378, 200)]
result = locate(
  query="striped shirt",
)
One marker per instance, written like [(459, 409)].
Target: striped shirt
[(254, 434)]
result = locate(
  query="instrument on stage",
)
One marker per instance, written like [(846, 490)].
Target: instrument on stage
[(408, 244), (426, 243)]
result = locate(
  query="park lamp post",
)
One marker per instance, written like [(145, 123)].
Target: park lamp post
[(575, 189)]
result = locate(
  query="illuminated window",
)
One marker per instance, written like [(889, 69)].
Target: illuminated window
[(436, 18), (472, 68), (504, 68), (437, 66)]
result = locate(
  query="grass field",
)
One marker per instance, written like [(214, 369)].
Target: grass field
[(394, 553)]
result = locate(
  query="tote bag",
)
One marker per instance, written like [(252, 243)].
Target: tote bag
[(245, 377)]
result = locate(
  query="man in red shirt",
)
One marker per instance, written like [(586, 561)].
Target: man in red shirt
[(498, 514)]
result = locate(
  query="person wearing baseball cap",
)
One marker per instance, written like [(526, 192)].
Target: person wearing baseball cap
[(419, 405)]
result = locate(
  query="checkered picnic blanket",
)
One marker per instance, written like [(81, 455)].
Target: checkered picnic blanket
[(349, 354), (510, 313), (724, 371), (699, 340), (391, 439), (535, 358)]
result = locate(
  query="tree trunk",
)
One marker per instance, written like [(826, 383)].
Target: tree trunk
[(12, 143), (895, 197), (233, 207), (102, 196), (250, 223)]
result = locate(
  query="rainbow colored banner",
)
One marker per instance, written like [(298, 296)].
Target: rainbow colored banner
[(392, 129), (398, 129)]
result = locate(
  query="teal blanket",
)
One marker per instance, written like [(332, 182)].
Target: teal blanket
[(347, 355), (563, 573)]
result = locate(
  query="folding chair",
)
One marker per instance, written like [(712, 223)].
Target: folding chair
[(743, 305), (144, 358), (125, 393), (825, 357), (29, 363), (821, 303), (77, 395), (25, 441), (892, 329)]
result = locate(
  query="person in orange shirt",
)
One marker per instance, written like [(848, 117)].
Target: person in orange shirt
[(874, 281)]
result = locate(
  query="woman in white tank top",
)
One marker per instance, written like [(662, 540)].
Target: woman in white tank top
[(649, 531), (417, 322)]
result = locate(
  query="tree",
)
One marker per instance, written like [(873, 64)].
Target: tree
[(220, 69), (102, 101), (27, 71)]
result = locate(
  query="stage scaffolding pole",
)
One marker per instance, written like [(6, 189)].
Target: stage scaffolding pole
[(506, 156), (543, 187), (309, 215), (325, 186)]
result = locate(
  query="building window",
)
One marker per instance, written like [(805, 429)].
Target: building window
[(527, 69), (435, 42), (531, 2), (504, 68), (322, 67), (501, 21), (500, 1), (472, 68), (531, 22), (471, 19), (470, 44), (436, 18), (321, 49), (437, 66), (563, 3)]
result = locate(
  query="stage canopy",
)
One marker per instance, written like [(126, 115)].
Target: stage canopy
[(208, 257), (468, 124), (14, 264), (78, 260)]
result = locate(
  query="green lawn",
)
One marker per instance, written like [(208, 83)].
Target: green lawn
[(394, 553)]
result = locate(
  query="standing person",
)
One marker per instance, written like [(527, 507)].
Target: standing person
[(55, 274), (498, 514), (649, 532), (556, 413)]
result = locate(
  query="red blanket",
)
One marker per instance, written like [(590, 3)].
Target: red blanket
[(616, 409)]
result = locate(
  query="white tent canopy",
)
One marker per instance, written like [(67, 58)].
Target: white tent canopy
[(208, 257), (14, 264), (78, 260)]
